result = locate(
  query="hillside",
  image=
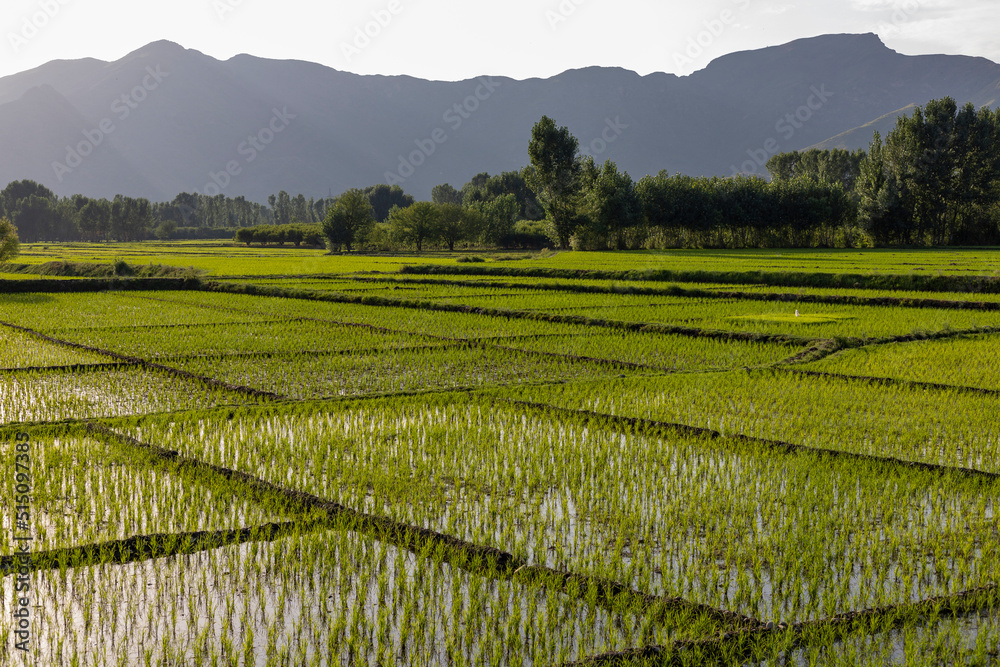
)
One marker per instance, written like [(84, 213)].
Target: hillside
[(165, 119)]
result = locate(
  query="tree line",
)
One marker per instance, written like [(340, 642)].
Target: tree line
[(599, 207), (494, 211), (934, 180), (295, 233), (39, 215)]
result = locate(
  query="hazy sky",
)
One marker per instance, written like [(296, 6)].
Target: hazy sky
[(457, 39)]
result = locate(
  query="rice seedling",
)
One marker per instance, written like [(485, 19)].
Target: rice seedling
[(41, 395), (713, 522), (90, 494), (274, 337), (390, 371), (664, 352), (819, 320), (53, 312), (372, 468), (943, 427), (967, 361), (319, 598), (21, 350)]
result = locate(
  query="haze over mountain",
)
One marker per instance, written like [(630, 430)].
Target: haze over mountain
[(164, 119)]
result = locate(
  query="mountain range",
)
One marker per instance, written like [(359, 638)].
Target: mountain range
[(165, 119)]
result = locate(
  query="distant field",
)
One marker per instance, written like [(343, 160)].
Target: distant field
[(220, 259), (931, 261), (224, 258), (312, 459)]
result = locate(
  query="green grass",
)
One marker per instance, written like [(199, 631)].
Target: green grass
[(219, 259), (20, 350), (226, 258), (970, 362), (391, 371), (54, 312), (898, 262), (465, 487), (44, 396), (315, 599), (78, 499), (716, 523), (281, 338), (910, 423), (786, 318)]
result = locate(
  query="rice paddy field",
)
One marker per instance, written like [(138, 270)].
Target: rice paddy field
[(294, 458)]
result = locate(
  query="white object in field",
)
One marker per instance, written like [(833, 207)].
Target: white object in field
[(796, 312)]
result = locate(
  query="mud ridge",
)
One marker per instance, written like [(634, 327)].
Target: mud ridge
[(147, 547)]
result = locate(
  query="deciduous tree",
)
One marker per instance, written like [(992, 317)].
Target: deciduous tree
[(457, 223), (554, 175), (348, 219), (9, 245), (498, 218), (416, 224), (446, 194), (936, 178)]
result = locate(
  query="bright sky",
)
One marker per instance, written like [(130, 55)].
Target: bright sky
[(458, 39)]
